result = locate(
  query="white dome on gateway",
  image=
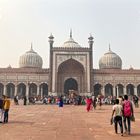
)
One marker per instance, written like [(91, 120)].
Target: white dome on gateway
[(30, 60), (71, 43), (110, 60)]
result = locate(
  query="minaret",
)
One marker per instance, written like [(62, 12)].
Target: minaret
[(90, 41), (91, 61), (51, 41)]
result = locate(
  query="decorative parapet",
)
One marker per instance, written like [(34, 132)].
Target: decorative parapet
[(24, 70), (80, 49), (116, 71)]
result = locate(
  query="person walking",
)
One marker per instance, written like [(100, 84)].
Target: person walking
[(6, 108), (128, 112), (25, 100), (1, 110), (89, 103), (60, 102), (135, 101), (16, 100), (100, 100), (117, 114), (94, 100)]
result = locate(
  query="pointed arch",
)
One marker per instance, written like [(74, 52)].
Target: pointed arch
[(70, 84), (43, 90), (71, 65), (71, 68), (97, 89), (130, 89), (32, 90), (108, 90), (21, 90), (120, 91), (10, 88)]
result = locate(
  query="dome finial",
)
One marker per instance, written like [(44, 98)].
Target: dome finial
[(109, 47), (131, 68), (31, 47), (70, 33), (9, 66)]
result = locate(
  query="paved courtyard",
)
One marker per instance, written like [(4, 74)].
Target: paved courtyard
[(49, 122)]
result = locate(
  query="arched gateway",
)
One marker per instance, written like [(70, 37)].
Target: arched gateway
[(70, 85), (70, 77), (70, 67)]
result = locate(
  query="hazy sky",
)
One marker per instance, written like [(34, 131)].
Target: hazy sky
[(109, 21)]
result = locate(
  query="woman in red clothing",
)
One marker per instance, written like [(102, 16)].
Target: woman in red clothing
[(89, 103)]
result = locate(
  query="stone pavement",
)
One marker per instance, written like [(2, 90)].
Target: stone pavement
[(49, 122)]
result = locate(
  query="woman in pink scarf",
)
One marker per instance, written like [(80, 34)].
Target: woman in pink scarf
[(89, 103)]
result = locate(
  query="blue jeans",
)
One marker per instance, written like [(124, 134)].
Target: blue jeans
[(6, 115)]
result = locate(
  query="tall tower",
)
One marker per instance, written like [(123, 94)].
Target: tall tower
[(91, 61), (51, 41)]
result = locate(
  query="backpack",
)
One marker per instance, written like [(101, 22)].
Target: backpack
[(127, 108)]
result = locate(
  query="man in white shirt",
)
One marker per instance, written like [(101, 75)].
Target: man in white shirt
[(117, 114)]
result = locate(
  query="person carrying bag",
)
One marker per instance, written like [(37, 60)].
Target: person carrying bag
[(128, 114)]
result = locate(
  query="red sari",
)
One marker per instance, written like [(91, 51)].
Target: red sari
[(89, 103)]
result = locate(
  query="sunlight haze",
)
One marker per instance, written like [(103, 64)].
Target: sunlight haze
[(109, 21)]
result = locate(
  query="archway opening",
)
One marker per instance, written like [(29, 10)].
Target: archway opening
[(69, 69), (10, 88), (130, 89), (119, 90), (108, 90), (32, 90), (70, 85), (97, 89), (21, 90), (43, 90)]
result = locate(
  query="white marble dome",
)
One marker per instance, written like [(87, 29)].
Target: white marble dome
[(110, 60), (70, 43), (30, 60)]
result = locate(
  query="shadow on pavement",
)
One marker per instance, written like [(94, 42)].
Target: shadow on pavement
[(132, 135), (20, 122)]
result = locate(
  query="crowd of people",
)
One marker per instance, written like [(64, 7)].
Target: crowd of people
[(123, 110), (74, 99), (122, 106)]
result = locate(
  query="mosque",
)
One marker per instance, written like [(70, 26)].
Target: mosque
[(70, 69)]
